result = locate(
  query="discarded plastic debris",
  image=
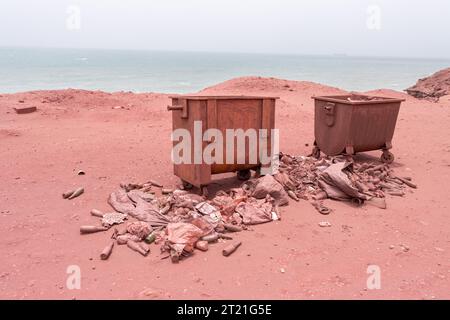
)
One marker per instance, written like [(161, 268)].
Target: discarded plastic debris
[(67, 194), (91, 229), (267, 185), (112, 218), (138, 247), (377, 202), (202, 245), (205, 208), (293, 195), (139, 228), (321, 208), (324, 224), (232, 228), (155, 183), (181, 221), (228, 250), (123, 239), (396, 193), (255, 211), (107, 251), (73, 194), (150, 238), (166, 191), (224, 236), (211, 237), (97, 213), (407, 182)]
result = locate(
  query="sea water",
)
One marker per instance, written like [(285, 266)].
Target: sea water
[(24, 69)]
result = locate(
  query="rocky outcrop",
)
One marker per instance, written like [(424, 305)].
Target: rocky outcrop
[(432, 87)]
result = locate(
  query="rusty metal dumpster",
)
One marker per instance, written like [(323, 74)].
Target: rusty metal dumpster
[(354, 123), (223, 113)]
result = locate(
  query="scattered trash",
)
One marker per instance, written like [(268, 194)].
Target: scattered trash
[(97, 213), (232, 228), (113, 218), (124, 238), (205, 208), (73, 193), (255, 211), (91, 229), (166, 191), (150, 238), (267, 185), (138, 247), (202, 245), (180, 221), (211, 237), (321, 208), (155, 183), (107, 251), (293, 195), (228, 250), (324, 224), (140, 229)]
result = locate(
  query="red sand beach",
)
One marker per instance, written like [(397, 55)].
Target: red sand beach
[(117, 137)]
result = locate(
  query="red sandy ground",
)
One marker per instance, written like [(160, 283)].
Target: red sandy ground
[(41, 153)]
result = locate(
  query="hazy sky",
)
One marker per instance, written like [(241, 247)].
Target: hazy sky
[(405, 28)]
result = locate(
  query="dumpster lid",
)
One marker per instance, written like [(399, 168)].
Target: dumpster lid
[(353, 99), (220, 97)]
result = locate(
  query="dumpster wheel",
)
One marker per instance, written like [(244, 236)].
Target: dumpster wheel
[(387, 157), (187, 185), (244, 174), (315, 152), (204, 191)]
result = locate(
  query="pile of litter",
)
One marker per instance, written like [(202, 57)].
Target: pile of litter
[(339, 178), (180, 221)]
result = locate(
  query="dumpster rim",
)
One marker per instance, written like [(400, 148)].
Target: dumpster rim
[(335, 99), (220, 97)]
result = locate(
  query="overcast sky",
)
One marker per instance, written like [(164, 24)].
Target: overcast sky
[(404, 28)]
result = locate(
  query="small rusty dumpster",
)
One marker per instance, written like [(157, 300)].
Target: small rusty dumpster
[(354, 123), (225, 114)]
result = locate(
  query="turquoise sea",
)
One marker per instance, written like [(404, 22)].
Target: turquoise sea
[(23, 69)]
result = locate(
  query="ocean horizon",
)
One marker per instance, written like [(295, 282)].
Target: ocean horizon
[(27, 69)]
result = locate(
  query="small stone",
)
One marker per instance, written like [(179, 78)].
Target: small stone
[(324, 224), (282, 270), (391, 246), (405, 248)]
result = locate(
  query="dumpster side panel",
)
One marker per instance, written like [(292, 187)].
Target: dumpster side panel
[(197, 174), (373, 126), (332, 126), (237, 114)]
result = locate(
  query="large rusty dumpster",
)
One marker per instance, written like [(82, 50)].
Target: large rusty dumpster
[(223, 113), (355, 123)]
